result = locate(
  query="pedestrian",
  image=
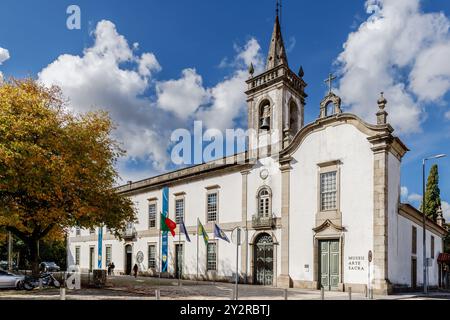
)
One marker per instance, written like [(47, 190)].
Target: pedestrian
[(135, 269), (112, 268), (109, 269)]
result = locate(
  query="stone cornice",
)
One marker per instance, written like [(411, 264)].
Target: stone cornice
[(409, 212)]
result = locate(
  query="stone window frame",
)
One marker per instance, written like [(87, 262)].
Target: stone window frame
[(152, 244), (212, 190), (77, 231), (180, 196), (327, 167), (262, 104), (216, 243), (152, 201)]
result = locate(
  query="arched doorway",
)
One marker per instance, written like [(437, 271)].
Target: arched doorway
[(128, 258), (264, 259)]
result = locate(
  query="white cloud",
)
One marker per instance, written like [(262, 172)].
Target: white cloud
[(96, 80), (446, 210), (399, 50), (447, 115), (413, 198), (182, 96), (4, 55), (110, 75)]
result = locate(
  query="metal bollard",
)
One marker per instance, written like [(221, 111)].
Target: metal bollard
[(366, 292), (285, 294), (232, 294), (350, 293), (371, 294), (322, 293), (157, 294), (62, 294)]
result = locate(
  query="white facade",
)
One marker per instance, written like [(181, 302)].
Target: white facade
[(334, 190)]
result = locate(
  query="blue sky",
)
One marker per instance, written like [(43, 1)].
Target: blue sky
[(203, 43)]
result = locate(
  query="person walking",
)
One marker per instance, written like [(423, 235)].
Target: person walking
[(109, 269), (135, 270), (112, 268)]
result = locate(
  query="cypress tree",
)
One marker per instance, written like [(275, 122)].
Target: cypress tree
[(432, 194)]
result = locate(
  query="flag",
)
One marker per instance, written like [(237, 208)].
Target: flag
[(202, 231), (183, 230), (168, 225), (220, 234)]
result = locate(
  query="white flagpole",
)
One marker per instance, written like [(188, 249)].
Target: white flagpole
[(160, 250), (178, 258), (197, 247)]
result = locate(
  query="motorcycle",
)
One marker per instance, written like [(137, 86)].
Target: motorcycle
[(46, 279)]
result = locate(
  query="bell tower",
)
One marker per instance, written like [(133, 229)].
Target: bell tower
[(276, 101)]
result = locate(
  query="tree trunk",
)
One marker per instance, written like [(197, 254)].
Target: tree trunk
[(33, 246)]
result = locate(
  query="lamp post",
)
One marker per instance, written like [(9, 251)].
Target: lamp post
[(424, 222)]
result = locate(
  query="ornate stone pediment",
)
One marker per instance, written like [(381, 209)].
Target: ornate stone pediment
[(331, 98), (329, 227)]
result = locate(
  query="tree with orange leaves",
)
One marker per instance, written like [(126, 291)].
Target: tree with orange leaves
[(56, 168)]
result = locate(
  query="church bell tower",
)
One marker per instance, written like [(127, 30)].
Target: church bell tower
[(276, 101)]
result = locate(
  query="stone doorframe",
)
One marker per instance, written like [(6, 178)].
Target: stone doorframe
[(125, 256), (252, 256), (328, 231)]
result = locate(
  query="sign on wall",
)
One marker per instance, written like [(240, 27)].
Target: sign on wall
[(356, 263)]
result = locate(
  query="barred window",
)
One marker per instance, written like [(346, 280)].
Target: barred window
[(212, 207), (264, 203), (151, 256), (211, 256), (78, 231), (77, 256), (108, 255), (414, 240), (328, 191), (152, 215), (432, 247), (179, 210)]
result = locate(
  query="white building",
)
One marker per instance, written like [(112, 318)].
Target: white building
[(313, 201)]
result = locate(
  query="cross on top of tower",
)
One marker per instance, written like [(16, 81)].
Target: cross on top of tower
[(329, 81)]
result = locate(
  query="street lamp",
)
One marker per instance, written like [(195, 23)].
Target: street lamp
[(424, 219)]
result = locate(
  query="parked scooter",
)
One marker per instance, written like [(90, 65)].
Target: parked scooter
[(47, 279)]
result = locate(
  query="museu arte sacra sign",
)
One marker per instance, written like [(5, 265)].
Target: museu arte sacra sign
[(356, 263)]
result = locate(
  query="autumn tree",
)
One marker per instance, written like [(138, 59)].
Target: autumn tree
[(56, 167)]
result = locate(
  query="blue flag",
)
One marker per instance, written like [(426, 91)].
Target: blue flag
[(183, 230), (220, 234)]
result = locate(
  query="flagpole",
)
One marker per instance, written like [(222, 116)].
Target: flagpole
[(217, 249), (197, 249), (178, 258), (160, 252)]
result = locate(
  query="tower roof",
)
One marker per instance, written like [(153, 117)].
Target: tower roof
[(277, 52)]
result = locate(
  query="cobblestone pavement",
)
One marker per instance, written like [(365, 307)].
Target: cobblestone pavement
[(143, 288)]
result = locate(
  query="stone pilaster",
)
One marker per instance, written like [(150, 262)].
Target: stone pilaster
[(244, 248), (284, 279), (380, 280)]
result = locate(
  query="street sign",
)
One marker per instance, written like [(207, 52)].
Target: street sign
[(237, 235), (370, 256)]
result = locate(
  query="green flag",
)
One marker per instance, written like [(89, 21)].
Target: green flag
[(202, 231)]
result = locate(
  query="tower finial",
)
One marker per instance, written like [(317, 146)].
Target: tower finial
[(382, 114)]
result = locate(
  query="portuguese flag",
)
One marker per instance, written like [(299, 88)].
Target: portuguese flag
[(168, 225)]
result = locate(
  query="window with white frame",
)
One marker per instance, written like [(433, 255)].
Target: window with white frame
[(264, 199), (179, 210), (212, 206), (211, 256), (77, 231), (151, 256), (328, 191), (108, 255), (152, 215), (77, 256)]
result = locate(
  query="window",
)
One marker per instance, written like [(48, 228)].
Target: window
[(211, 258), (77, 256), (212, 207), (179, 211), (329, 109), (264, 198), (414, 240), (432, 247), (293, 118), (328, 191), (151, 256), (91, 231), (152, 215), (108, 255), (78, 231)]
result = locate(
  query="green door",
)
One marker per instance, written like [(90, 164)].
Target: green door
[(329, 264)]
